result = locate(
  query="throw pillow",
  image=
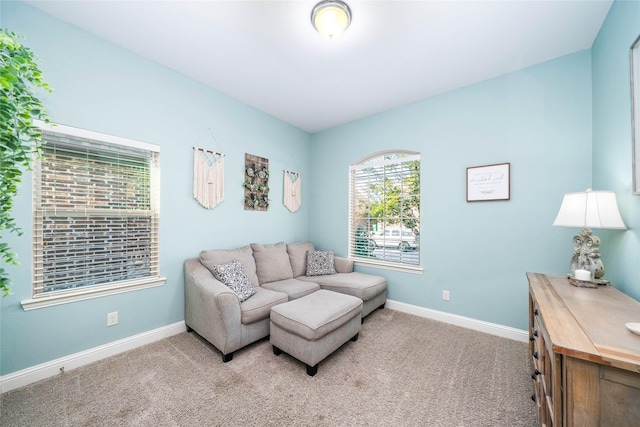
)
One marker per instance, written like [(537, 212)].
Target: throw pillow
[(320, 263), (298, 256), (233, 275), (272, 262), (223, 256)]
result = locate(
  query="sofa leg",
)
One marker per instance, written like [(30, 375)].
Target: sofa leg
[(189, 328), (382, 306), (277, 351), (227, 357), (312, 370), (355, 337)]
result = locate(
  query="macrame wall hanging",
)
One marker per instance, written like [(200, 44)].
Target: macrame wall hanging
[(208, 177), (256, 183), (292, 194)]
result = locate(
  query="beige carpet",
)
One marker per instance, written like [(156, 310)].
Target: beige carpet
[(403, 371)]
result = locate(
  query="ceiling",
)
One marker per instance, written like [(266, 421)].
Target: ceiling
[(267, 54)]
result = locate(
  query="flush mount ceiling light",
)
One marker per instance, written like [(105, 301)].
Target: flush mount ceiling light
[(331, 18)]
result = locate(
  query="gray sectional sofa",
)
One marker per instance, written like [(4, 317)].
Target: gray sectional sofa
[(278, 273)]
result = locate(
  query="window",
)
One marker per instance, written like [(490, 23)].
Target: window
[(96, 219), (385, 210)]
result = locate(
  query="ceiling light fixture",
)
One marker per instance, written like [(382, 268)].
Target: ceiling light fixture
[(331, 18)]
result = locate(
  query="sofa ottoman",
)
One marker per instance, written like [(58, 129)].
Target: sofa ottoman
[(314, 326)]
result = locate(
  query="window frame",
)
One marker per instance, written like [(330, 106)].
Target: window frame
[(52, 298), (353, 221)]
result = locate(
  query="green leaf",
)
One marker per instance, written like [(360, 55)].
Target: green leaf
[(19, 76)]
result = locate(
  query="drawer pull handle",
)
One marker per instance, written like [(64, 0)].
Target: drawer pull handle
[(535, 333), (535, 354), (533, 397), (535, 374), (536, 312), (531, 338)]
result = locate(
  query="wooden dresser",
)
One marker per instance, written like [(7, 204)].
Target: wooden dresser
[(585, 362)]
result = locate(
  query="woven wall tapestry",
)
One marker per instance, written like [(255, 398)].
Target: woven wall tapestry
[(256, 183), (208, 177), (292, 194)]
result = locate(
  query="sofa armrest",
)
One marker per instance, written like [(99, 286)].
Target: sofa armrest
[(211, 308), (343, 265)]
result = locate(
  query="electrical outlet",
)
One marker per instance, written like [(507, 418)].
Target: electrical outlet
[(112, 318), (445, 295)]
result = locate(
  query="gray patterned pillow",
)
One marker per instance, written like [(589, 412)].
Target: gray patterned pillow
[(233, 275), (320, 263)]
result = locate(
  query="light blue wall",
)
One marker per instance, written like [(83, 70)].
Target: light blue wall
[(539, 120), (103, 88), (612, 141)]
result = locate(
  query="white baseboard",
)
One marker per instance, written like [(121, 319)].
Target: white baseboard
[(49, 369), (465, 322)]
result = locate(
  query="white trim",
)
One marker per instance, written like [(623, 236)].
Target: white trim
[(80, 294), (385, 162), (383, 153), (407, 268), (465, 322), (49, 369), (96, 136)]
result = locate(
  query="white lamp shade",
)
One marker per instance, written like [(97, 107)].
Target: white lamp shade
[(331, 18), (590, 209)]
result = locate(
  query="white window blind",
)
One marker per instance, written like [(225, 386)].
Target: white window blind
[(385, 210), (96, 219)]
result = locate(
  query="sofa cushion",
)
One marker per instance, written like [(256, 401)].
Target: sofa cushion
[(361, 285), (258, 307), (295, 288), (223, 256), (343, 265), (320, 263), (272, 262), (233, 275), (298, 257)]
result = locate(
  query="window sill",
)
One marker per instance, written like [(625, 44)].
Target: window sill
[(65, 297), (388, 266)]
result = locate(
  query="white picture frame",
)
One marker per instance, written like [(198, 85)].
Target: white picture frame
[(489, 182), (634, 59)]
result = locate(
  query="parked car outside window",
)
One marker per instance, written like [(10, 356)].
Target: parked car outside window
[(402, 239)]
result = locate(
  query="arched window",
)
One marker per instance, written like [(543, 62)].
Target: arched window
[(384, 208)]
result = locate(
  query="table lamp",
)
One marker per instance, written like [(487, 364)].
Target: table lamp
[(589, 209)]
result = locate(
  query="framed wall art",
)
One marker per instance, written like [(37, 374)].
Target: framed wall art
[(489, 182), (635, 112), (256, 183)]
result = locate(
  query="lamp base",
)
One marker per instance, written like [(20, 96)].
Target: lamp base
[(586, 254), (587, 283), (583, 283)]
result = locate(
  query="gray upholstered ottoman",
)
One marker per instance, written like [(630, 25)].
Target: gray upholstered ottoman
[(314, 326)]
